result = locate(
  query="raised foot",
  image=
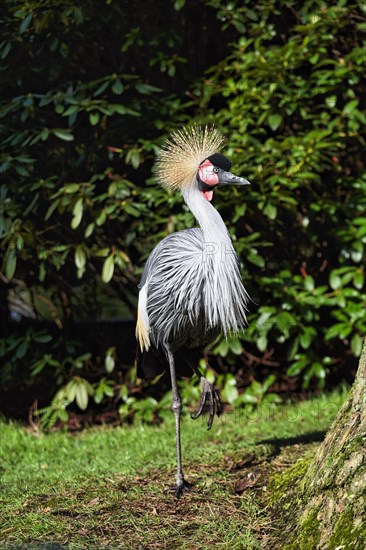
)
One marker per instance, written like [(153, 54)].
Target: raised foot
[(209, 392), (180, 488)]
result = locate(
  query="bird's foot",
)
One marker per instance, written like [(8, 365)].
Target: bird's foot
[(209, 392), (181, 487)]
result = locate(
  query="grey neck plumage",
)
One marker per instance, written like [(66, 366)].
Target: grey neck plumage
[(224, 295)]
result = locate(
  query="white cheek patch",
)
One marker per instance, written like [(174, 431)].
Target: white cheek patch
[(207, 174)]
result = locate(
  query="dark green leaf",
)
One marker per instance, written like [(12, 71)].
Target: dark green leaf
[(108, 269), (25, 23), (77, 213), (10, 264), (274, 121), (63, 134)]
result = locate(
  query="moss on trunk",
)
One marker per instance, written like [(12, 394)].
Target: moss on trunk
[(323, 506)]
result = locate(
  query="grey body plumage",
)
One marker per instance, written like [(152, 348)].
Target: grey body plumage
[(191, 289), (194, 289)]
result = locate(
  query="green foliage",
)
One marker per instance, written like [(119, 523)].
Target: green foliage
[(70, 146), (87, 96), (77, 390), (17, 346), (294, 117), (73, 199)]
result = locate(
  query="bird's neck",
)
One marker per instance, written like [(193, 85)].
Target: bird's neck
[(209, 219), (222, 297)]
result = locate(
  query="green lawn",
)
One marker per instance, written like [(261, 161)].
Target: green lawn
[(107, 487)]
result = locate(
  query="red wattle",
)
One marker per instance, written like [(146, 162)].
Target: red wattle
[(208, 195)]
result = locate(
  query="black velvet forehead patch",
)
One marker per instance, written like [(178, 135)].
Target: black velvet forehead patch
[(220, 161)]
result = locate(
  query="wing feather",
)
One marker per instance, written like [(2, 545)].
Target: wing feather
[(143, 325)]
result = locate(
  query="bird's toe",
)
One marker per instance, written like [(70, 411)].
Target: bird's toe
[(201, 407), (180, 488), (215, 405)]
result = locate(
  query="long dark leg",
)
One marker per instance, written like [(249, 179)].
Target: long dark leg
[(208, 392), (182, 485)]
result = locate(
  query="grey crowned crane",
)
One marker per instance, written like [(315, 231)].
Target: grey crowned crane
[(191, 290)]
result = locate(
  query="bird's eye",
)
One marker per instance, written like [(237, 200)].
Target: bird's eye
[(216, 170)]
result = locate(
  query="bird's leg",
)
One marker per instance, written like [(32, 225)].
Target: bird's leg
[(208, 392), (182, 485)]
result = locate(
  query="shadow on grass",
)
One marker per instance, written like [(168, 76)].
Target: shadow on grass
[(278, 444)]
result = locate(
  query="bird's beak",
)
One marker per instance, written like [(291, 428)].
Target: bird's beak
[(227, 178)]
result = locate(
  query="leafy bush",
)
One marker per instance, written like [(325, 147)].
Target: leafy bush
[(294, 114), (87, 96)]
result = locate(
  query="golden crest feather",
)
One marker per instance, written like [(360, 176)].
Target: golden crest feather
[(178, 161)]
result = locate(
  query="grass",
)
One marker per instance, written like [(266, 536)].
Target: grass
[(107, 487)]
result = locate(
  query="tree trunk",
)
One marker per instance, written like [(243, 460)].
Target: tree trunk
[(333, 491)]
